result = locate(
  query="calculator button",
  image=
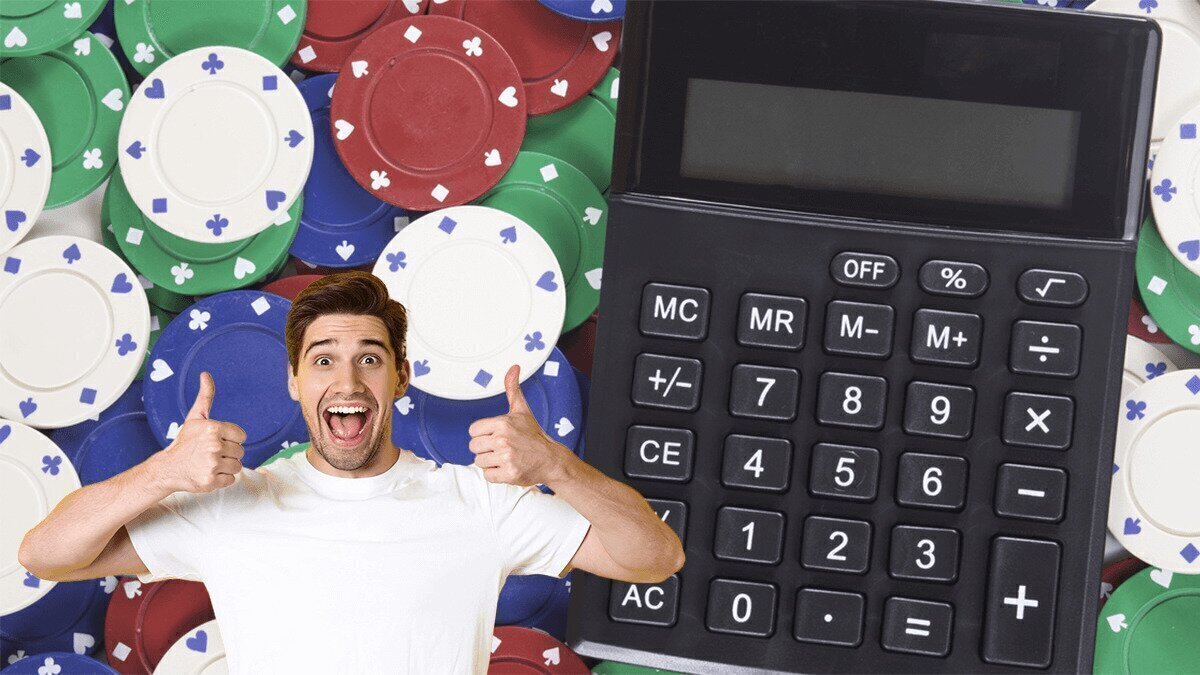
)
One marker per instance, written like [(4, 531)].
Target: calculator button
[(672, 311), (741, 607), (947, 277), (650, 604), (844, 472), (946, 338), (749, 535), (845, 400), (1030, 492), (924, 553), (866, 270), (673, 513), (1038, 420), (917, 626), (659, 453), (764, 392), (1022, 586), (1052, 287), (931, 481), (1040, 348), (859, 329), (772, 321), (836, 545), (756, 463), (670, 382), (829, 617), (941, 410)]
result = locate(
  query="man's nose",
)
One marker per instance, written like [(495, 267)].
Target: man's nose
[(347, 380)]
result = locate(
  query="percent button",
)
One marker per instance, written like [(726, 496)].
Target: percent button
[(949, 277)]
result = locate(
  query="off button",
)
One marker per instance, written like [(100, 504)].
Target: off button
[(866, 270)]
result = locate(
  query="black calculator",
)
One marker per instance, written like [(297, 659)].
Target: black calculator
[(867, 274)]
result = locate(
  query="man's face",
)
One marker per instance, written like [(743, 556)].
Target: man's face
[(345, 383)]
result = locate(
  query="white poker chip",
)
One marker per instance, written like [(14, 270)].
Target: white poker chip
[(1156, 473), (25, 167), (483, 291), (199, 652), (35, 475), (1143, 362), (216, 144), (1175, 187), (73, 328), (1178, 86)]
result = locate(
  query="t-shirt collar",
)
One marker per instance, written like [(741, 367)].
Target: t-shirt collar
[(338, 487)]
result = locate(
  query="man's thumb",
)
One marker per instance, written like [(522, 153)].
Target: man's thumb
[(204, 398), (512, 386)]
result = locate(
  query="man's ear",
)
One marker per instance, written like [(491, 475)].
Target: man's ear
[(405, 373), (293, 388)]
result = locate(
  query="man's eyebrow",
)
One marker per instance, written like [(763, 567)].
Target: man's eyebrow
[(372, 342)]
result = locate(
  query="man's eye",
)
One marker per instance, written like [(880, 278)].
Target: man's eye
[(370, 360), (323, 361)]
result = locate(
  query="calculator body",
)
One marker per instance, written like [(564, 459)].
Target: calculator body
[(881, 419)]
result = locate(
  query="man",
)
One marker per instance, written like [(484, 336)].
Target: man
[(355, 556)]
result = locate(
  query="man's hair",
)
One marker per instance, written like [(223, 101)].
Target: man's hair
[(351, 292)]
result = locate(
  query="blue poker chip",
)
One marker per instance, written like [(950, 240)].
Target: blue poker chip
[(535, 601), (342, 224), (238, 337), (585, 388), (588, 10), (437, 428), (58, 663), (69, 618), (119, 440), (1059, 4)]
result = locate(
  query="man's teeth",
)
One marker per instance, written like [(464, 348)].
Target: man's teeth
[(346, 409)]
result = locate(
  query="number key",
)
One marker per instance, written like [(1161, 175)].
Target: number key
[(924, 553), (756, 463), (749, 535), (844, 472), (764, 392), (856, 401), (836, 545), (931, 481), (940, 410)]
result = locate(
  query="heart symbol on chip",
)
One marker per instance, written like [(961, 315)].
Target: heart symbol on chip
[(593, 277), (113, 100), (343, 128), (199, 643), (15, 38), (601, 40), (345, 250), (616, 86), (73, 10), (601, 6), (155, 89), (83, 642), (1162, 577), (5, 431), (559, 88), (159, 370), (359, 68), (546, 281), (1190, 248), (13, 219), (29, 158), (135, 149), (274, 199), (591, 215), (172, 431), (509, 97), (121, 284), (83, 46), (242, 267), (492, 158)]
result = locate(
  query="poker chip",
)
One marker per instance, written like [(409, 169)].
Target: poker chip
[(238, 338), (35, 475), (1178, 87), (290, 451), (585, 396), (1149, 625), (580, 344), (58, 663), (79, 93), (199, 652), (189, 267), (70, 617), (483, 292), (588, 10), (209, 182), (437, 428), (535, 601), (1142, 363), (334, 28), (1175, 183), (63, 366), (154, 31), (1143, 327), (616, 668), (343, 225), (516, 649), (118, 441), (1117, 573), (160, 298), (1059, 4), (391, 122), (145, 620), (581, 135), (305, 267), (26, 181), (569, 213), (1170, 290), (606, 92), (29, 28), (290, 287), (1155, 471), (559, 59)]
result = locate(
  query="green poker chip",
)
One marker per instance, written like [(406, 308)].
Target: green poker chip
[(31, 27), (1149, 625), (194, 268), (615, 668), (562, 205), (79, 93), (287, 452), (1170, 291), (159, 297), (606, 91), (152, 31), (581, 134)]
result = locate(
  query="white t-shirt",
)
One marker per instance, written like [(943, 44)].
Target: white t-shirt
[(396, 573)]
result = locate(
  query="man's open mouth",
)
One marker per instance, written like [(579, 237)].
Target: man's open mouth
[(347, 423)]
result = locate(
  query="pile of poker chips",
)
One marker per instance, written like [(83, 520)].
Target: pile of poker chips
[(180, 171)]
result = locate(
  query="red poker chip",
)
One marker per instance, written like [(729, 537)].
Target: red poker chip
[(1116, 574), (560, 59), (1141, 325), (523, 651), (579, 345), (144, 620), (428, 112), (290, 287), (333, 28)]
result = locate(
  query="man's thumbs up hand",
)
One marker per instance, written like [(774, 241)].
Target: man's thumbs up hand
[(207, 454), (513, 448)]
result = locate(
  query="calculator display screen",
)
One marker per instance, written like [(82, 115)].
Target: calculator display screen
[(962, 115)]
